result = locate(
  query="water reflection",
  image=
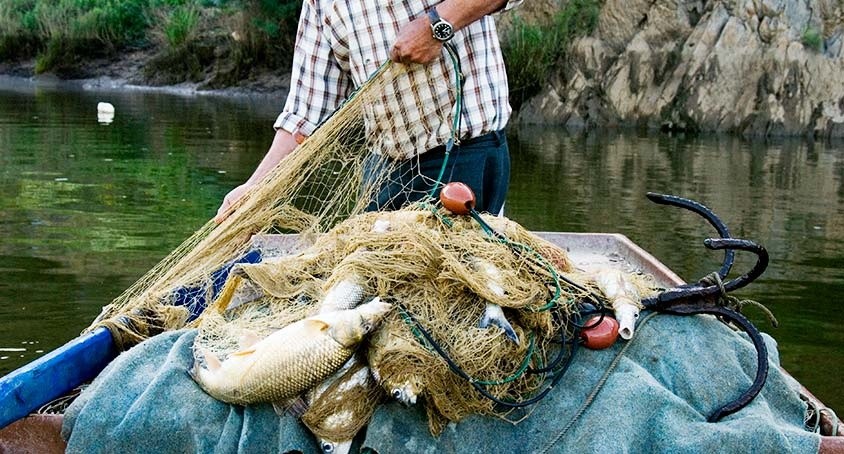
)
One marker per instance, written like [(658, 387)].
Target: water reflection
[(85, 208), (786, 195)]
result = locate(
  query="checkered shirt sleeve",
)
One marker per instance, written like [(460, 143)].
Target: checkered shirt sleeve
[(317, 85)]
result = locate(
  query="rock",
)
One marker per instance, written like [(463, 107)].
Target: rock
[(734, 65)]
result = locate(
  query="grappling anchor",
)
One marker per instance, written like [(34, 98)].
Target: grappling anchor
[(710, 294)]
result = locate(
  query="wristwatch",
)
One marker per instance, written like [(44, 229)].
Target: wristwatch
[(441, 28)]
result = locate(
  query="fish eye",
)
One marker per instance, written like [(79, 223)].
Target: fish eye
[(327, 447), (396, 393)]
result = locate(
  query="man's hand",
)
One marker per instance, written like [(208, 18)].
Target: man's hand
[(230, 202), (283, 144), (416, 43)]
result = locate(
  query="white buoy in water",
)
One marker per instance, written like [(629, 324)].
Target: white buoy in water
[(105, 118), (104, 107), (105, 113)]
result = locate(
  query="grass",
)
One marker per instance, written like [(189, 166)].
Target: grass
[(231, 38), (181, 26), (18, 29), (62, 33), (531, 51)]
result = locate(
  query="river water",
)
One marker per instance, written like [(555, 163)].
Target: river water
[(86, 208)]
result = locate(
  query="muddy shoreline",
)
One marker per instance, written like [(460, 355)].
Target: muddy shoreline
[(126, 74)]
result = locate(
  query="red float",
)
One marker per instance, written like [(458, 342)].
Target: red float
[(458, 198), (602, 335)]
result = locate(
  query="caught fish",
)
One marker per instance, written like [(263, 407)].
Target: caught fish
[(291, 360), (493, 314), (344, 295), (407, 392), (395, 219), (623, 295), (381, 226), (341, 406), (402, 384)]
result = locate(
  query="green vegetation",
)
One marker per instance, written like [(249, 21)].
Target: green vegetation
[(181, 26), (532, 51), (812, 38), (61, 34), (18, 28), (222, 42)]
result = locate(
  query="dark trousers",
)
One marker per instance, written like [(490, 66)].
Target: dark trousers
[(483, 163)]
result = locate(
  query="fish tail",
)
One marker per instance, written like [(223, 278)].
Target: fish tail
[(493, 315)]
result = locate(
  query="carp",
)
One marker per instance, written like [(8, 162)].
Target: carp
[(291, 360)]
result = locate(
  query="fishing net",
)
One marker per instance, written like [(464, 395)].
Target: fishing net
[(442, 272), (340, 171)]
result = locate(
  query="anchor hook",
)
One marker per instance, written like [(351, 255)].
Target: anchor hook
[(706, 213), (704, 298)]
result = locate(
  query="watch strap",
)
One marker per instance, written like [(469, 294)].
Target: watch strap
[(434, 16)]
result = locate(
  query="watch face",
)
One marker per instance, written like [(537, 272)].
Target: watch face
[(442, 31)]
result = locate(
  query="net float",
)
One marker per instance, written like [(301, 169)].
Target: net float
[(600, 332), (458, 198)]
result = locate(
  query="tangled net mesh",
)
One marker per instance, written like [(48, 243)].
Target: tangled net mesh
[(441, 270)]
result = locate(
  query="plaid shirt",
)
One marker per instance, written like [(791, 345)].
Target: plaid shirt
[(340, 43)]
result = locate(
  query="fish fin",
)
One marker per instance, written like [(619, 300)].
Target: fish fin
[(295, 407), (248, 339), (243, 352), (211, 361), (511, 333), (316, 325), (485, 321)]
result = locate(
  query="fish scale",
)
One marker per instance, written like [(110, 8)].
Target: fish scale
[(294, 366)]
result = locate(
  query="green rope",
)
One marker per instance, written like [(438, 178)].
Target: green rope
[(558, 290), (457, 118), (519, 373), (427, 204), (734, 303)]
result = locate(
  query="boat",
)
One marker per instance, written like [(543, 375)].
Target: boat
[(24, 391)]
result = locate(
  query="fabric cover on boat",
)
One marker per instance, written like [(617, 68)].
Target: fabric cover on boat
[(661, 389)]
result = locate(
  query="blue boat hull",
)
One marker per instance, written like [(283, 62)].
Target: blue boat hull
[(27, 389), (54, 375)]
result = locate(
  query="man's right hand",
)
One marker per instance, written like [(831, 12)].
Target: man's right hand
[(283, 144), (231, 201)]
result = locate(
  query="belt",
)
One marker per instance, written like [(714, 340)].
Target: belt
[(438, 152)]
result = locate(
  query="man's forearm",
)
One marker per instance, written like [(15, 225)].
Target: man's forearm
[(461, 13), (283, 144)]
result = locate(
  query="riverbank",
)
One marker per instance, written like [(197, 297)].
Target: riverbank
[(127, 72), (752, 68)]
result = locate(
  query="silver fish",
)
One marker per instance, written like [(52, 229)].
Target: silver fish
[(344, 391), (344, 295), (493, 314), (625, 299), (401, 386), (291, 360)]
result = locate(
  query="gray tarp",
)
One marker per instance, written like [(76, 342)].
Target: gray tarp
[(656, 398)]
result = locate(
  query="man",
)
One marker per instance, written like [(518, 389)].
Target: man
[(340, 43)]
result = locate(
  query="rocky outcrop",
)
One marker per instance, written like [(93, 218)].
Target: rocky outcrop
[(753, 67)]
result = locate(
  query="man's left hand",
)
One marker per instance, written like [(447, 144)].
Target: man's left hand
[(415, 43)]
